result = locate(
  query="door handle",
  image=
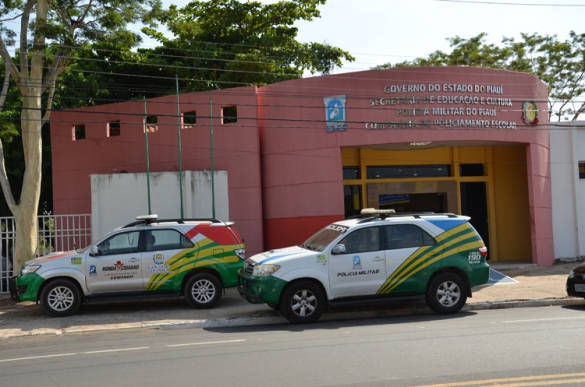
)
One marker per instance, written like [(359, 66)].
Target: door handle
[(378, 259), (133, 259)]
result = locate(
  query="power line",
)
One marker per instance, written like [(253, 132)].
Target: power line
[(520, 4)]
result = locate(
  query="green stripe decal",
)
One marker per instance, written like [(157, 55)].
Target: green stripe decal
[(448, 244), (200, 256)]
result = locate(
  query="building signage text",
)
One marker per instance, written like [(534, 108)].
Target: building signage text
[(475, 106)]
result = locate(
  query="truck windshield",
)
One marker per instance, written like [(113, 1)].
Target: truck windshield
[(323, 238)]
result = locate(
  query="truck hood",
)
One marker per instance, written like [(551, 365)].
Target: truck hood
[(52, 256), (280, 255)]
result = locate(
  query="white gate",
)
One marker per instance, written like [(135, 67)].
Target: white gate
[(56, 233)]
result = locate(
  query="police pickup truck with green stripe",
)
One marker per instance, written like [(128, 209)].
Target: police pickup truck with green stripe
[(148, 258), (376, 257)]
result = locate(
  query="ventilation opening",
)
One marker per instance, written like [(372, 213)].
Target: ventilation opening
[(152, 124), (114, 128), (189, 120), (229, 114), (79, 132)]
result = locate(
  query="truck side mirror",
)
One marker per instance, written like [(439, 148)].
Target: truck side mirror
[(338, 249)]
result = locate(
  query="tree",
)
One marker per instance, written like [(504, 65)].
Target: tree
[(49, 34), (226, 43), (560, 65)]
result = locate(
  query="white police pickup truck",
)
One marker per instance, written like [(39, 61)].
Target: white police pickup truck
[(148, 258), (379, 256)]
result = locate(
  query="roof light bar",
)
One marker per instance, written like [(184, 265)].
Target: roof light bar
[(372, 211), (147, 217)]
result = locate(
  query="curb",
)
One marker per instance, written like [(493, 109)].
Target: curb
[(524, 303), (276, 318)]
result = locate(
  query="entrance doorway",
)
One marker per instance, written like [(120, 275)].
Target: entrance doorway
[(474, 204)]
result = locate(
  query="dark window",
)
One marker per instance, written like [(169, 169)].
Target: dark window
[(471, 170), (79, 132), (407, 171), (230, 114), (352, 197), (114, 128), (407, 235), (351, 173), (581, 169), (152, 124), (166, 240), (362, 240), (189, 119)]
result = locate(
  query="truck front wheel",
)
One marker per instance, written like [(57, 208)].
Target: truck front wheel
[(302, 302), (61, 298)]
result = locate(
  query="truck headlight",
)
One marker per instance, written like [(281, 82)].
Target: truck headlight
[(241, 253), (264, 270), (29, 269)]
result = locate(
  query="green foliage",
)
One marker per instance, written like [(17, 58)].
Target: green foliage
[(559, 64), (226, 43), (67, 33)]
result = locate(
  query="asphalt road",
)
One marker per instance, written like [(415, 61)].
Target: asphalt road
[(505, 347)]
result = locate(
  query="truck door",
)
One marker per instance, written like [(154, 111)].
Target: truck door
[(361, 270), (118, 265)]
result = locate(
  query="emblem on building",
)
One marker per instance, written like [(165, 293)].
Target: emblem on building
[(529, 113), (335, 113)]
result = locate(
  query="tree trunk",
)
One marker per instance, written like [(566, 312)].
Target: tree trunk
[(26, 211)]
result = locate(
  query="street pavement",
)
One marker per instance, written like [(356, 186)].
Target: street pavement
[(512, 285)]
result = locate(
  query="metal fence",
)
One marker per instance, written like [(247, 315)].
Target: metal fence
[(56, 233)]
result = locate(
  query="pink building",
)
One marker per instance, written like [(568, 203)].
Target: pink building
[(303, 153)]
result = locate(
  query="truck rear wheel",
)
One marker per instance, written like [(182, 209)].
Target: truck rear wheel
[(446, 293), (203, 291)]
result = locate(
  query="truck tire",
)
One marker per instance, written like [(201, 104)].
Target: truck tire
[(302, 302), (446, 293), (61, 298), (203, 291)]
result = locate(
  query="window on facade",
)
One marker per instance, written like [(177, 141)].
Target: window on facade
[(189, 119), (113, 128), (407, 171), (152, 124), (229, 114), (581, 169), (470, 170), (352, 198), (79, 132), (350, 173)]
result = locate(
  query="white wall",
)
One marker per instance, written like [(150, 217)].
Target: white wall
[(117, 199), (567, 141)]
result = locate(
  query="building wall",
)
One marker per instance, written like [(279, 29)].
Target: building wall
[(236, 150), (568, 190), (512, 231), (301, 160), (162, 189), (285, 173)]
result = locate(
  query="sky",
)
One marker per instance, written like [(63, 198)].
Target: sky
[(381, 31)]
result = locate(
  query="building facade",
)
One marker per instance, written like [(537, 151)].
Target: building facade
[(303, 153), (568, 189)]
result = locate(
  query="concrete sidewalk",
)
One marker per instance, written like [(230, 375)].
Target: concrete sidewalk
[(535, 286)]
